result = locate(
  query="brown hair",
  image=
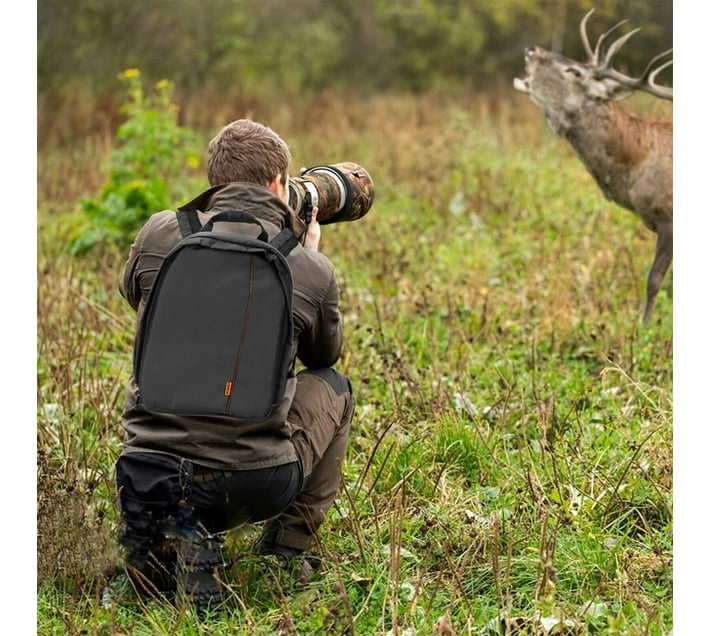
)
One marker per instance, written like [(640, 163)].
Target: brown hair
[(245, 150)]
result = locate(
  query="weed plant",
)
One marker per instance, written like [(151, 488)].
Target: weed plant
[(510, 465)]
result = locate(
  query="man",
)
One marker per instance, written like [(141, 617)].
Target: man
[(192, 477)]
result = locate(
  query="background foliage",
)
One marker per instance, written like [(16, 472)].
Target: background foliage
[(242, 47), (315, 44)]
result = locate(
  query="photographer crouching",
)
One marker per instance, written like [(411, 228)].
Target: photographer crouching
[(188, 472)]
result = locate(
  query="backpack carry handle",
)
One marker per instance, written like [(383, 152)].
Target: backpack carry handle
[(236, 216)]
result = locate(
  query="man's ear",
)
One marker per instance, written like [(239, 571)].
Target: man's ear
[(277, 186)]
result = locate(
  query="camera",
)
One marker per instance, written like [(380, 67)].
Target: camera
[(341, 192)]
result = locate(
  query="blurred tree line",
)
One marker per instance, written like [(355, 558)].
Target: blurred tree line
[(310, 45)]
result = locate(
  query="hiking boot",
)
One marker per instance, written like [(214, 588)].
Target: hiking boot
[(152, 574), (283, 553), (289, 558), (199, 569)]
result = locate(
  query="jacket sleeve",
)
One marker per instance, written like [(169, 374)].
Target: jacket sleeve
[(152, 243), (128, 283), (321, 345)]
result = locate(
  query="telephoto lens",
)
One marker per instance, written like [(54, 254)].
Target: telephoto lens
[(341, 192)]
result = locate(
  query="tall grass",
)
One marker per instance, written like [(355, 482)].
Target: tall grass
[(509, 469)]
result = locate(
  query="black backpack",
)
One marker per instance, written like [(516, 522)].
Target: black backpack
[(216, 335)]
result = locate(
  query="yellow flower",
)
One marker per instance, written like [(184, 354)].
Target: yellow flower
[(130, 73), (163, 84)]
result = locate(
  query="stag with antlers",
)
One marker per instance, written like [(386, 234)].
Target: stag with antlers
[(631, 159)]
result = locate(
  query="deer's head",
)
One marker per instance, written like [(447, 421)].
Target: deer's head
[(564, 89)]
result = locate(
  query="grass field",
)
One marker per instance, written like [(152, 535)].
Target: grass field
[(510, 467)]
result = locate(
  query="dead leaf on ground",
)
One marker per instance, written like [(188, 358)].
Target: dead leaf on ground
[(444, 627)]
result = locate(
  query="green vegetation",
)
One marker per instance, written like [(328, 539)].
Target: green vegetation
[(510, 467), (153, 154), (311, 45)]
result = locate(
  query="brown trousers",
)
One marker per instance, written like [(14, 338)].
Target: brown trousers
[(321, 415)]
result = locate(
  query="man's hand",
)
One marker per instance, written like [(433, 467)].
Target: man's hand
[(313, 232)]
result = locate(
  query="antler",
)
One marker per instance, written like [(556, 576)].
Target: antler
[(603, 68)]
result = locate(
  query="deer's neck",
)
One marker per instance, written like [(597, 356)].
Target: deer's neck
[(610, 144)]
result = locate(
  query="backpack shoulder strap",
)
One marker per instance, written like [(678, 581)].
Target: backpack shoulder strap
[(188, 221), (189, 224), (284, 241), (236, 216)]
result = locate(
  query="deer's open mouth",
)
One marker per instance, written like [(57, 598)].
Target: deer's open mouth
[(522, 84)]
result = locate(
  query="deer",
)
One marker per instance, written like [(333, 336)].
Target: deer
[(631, 159)]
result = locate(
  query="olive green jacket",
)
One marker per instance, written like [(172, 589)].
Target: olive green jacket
[(217, 441)]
